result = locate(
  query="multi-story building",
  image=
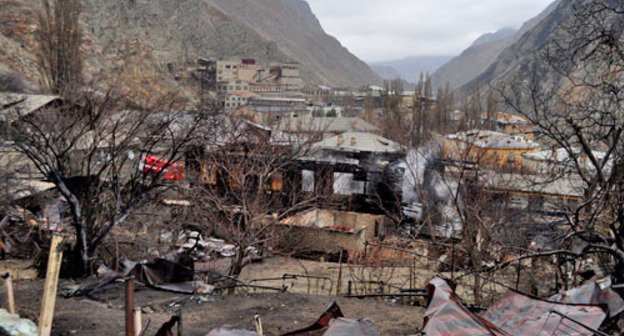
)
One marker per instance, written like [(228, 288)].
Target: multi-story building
[(245, 70)]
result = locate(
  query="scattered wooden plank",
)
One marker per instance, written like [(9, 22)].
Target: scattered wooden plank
[(50, 286)]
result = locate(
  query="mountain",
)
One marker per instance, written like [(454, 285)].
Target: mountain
[(483, 53), (298, 34), (490, 37), (562, 28), (158, 38), (409, 68), (385, 71)]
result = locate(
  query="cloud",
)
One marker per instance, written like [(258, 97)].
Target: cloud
[(377, 30)]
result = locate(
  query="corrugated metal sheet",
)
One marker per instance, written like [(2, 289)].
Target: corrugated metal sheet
[(515, 314)]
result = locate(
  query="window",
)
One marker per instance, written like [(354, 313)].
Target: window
[(209, 173), (277, 182)]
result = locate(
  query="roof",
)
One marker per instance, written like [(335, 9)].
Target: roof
[(545, 185), (491, 139), (232, 129), (243, 94), (514, 314), (560, 155), (325, 124), (512, 119), (376, 88), (16, 105), (359, 142), (279, 99), (324, 88)]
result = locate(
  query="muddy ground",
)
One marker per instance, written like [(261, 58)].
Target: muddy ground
[(280, 312)]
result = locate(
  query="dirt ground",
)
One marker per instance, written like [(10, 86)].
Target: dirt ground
[(280, 312)]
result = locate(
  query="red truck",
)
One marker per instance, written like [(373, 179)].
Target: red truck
[(152, 164)]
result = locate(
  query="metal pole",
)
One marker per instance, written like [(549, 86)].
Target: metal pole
[(518, 269), (129, 282), (339, 283)]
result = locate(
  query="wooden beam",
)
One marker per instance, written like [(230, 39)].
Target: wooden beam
[(50, 286)]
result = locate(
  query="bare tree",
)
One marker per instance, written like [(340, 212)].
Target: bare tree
[(574, 92), (90, 150), (59, 46), (249, 180)]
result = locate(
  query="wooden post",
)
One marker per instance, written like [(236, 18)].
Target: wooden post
[(50, 286), (129, 285), (137, 321), (349, 284), (8, 283), (339, 283), (258, 325)]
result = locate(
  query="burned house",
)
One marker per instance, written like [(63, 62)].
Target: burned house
[(234, 150), (332, 232), (352, 167)]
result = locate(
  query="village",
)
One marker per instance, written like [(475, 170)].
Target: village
[(275, 170), (271, 184)]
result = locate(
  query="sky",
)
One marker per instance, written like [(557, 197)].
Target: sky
[(380, 30)]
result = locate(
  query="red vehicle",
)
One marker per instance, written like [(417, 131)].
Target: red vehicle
[(152, 164)]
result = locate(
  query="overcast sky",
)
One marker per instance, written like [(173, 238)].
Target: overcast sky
[(377, 30)]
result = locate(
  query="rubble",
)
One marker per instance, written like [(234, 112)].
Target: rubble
[(16, 326)]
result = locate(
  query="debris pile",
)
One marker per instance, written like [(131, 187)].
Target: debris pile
[(192, 243), (331, 323)]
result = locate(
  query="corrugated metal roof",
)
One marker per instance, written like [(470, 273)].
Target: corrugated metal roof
[(359, 142), (515, 314), (325, 124), (490, 139), (16, 105)]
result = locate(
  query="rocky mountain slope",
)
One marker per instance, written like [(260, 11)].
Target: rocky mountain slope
[(525, 60), (482, 54), (150, 40), (497, 35)]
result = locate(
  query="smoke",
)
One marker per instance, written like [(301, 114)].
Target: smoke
[(424, 187)]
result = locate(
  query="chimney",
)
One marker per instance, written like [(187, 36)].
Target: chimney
[(353, 141), (555, 154)]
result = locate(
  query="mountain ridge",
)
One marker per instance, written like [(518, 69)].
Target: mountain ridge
[(160, 33), (409, 68), (475, 60)]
